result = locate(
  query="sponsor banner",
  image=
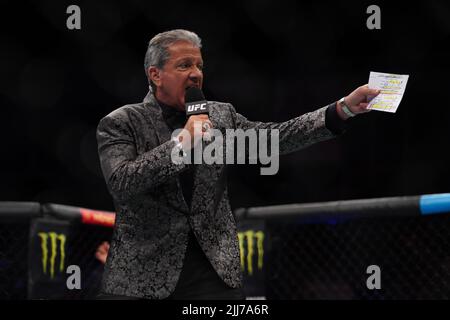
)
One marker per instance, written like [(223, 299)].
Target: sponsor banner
[(47, 258), (253, 254)]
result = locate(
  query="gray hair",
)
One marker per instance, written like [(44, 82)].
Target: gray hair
[(157, 53)]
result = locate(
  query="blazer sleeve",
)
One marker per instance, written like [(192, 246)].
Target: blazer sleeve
[(294, 134), (126, 173)]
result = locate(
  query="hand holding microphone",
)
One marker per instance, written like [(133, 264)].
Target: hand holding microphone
[(198, 124)]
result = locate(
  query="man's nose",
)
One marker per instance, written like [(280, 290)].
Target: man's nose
[(196, 74)]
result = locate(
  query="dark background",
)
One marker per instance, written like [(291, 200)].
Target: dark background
[(272, 60)]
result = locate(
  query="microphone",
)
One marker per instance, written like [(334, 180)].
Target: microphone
[(196, 103)]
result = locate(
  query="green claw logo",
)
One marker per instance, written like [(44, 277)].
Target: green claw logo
[(53, 237), (249, 238)]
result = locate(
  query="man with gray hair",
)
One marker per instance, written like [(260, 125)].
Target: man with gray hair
[(175, 235), (157, 53)]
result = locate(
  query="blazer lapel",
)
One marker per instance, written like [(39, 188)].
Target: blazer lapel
[(155, 114), (207, 191), (173, 190)]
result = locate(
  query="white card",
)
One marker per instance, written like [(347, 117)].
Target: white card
[(392, 88)]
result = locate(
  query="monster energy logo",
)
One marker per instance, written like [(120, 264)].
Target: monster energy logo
[(53, 237), (252, 239)]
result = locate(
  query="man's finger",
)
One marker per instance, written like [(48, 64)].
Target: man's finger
[(374, 91), (363, 105), (367, 91), (201, 117), (206, 125)]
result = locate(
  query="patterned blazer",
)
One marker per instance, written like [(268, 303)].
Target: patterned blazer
[(152, 217)]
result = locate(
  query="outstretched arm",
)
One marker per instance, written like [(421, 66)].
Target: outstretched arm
[(311, 127)]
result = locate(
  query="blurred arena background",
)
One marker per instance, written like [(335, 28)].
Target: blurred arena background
[(272, 60)]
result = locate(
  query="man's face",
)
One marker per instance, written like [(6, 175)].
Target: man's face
[(182, 70)]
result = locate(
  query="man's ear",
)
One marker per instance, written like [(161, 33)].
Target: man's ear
[(154, 75)]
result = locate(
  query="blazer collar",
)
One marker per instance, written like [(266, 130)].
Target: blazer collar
[(163, 132)]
